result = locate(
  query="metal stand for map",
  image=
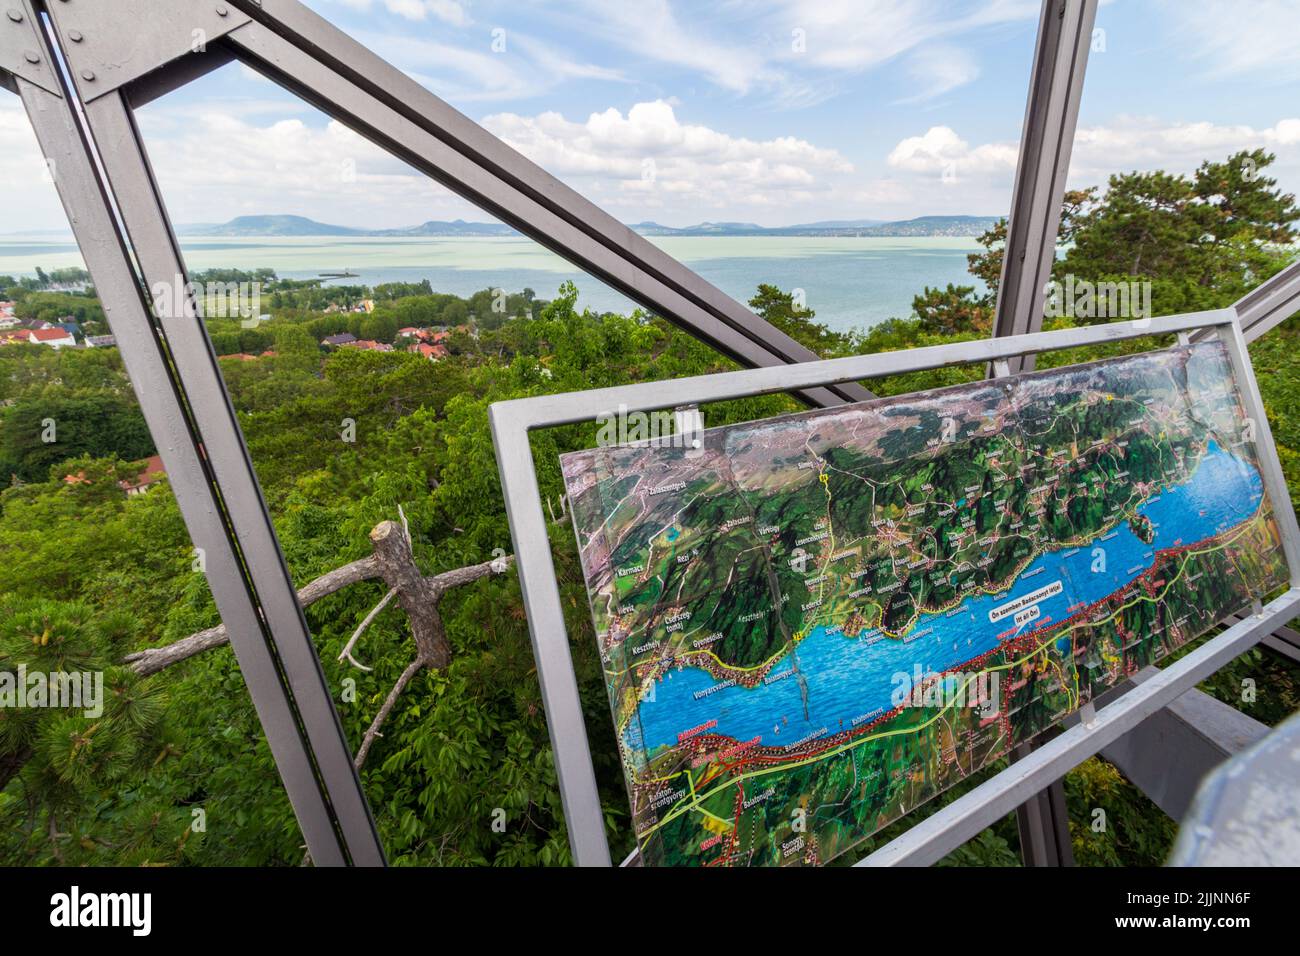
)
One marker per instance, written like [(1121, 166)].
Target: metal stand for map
[(948, 828)]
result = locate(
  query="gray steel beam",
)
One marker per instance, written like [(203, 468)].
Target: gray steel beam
[(1270, 303), (129, 179), (306, 54), (176, 74), (23, 53), (1172, 751), (1051, 114), (1284, 642), (167, 414), (1042, 821)]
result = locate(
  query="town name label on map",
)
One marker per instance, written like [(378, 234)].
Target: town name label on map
[(811, 625)]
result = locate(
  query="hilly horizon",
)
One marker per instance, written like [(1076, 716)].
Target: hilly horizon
[(301, 226)]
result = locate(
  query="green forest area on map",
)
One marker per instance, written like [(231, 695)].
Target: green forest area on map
[(760, 599)]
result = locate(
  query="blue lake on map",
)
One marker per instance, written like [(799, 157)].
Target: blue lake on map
[(848, 679)]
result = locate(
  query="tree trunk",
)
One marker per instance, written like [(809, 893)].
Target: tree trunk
[(416, 593)]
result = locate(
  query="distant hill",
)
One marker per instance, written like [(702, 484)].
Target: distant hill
[(457, 228), (936, 226), (254, 226), (269, 226)]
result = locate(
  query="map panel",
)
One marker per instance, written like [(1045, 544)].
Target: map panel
[(812, 624)]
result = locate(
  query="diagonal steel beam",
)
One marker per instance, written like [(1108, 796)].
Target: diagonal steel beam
[(167, 410), (1051, 115), (129, 180), (1270, 303)]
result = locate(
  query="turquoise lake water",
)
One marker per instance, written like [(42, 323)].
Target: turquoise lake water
[(850, 679), (849, 283)]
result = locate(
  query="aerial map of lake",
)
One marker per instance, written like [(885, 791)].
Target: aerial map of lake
[(812, 624), (849, 283)]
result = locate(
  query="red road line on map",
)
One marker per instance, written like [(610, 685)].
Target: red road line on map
[(765, 755)]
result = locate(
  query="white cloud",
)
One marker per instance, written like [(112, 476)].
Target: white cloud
[(1259, 39), (978, 177), (448, 11), (939, 69), (649, 158), (1144, 143), (216, 166), (27, 191)]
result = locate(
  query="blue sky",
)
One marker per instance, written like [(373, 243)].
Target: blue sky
[(772, 111)]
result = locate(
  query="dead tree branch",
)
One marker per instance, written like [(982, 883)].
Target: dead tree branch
[(419, 596), (154, 659)]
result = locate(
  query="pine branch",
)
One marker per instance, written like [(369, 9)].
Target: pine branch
[(11, 763)]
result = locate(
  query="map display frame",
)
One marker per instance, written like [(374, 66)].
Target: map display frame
[(783, 508)]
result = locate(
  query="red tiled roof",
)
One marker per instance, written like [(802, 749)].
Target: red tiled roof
[(153, 470), (429, 351), (50, 335)]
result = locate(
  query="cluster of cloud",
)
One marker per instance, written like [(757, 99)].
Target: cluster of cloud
[(940, 152), (646, 162), (649, 158), (1127, 144), (448, 11), (1232, 39), (226, 164), (790, 52), (646, 159)]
